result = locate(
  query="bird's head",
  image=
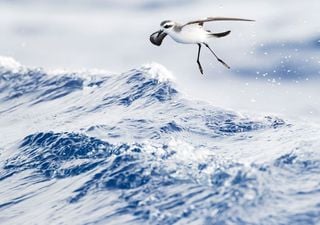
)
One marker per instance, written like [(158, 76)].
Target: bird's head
[(165, 27)]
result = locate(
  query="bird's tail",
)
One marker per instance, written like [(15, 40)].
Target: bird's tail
[(219, 35)]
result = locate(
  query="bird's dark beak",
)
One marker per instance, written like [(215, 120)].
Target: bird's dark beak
[(157, 37)]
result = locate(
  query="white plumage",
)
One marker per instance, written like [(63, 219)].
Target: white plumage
[(192, 32)]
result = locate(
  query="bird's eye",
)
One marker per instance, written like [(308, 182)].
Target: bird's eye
[(167, 26)]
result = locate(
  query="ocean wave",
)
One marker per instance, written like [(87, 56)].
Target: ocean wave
[(95, 147)]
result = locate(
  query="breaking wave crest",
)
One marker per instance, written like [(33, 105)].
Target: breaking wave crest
[(93, 147)]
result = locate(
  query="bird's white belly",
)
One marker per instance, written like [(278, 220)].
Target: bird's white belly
[(189, 36)]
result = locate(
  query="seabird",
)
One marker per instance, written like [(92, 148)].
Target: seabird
[(192, 32)]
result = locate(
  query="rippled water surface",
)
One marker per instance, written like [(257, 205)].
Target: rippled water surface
[(92, 147)]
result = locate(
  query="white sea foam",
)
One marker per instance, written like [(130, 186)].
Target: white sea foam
[(8, 63), (158, 71)]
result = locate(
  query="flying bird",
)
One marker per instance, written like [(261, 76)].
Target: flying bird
[(192, 32)]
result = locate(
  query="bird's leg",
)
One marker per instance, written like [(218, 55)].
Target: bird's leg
[(220, 60), (198, 61)]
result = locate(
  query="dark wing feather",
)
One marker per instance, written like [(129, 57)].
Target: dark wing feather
[(157, 37), (209, 19), (222, 34)]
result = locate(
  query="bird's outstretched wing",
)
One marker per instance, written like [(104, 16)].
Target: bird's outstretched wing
[(209, 19)]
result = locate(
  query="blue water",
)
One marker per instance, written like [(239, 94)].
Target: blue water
[(98, 148)]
